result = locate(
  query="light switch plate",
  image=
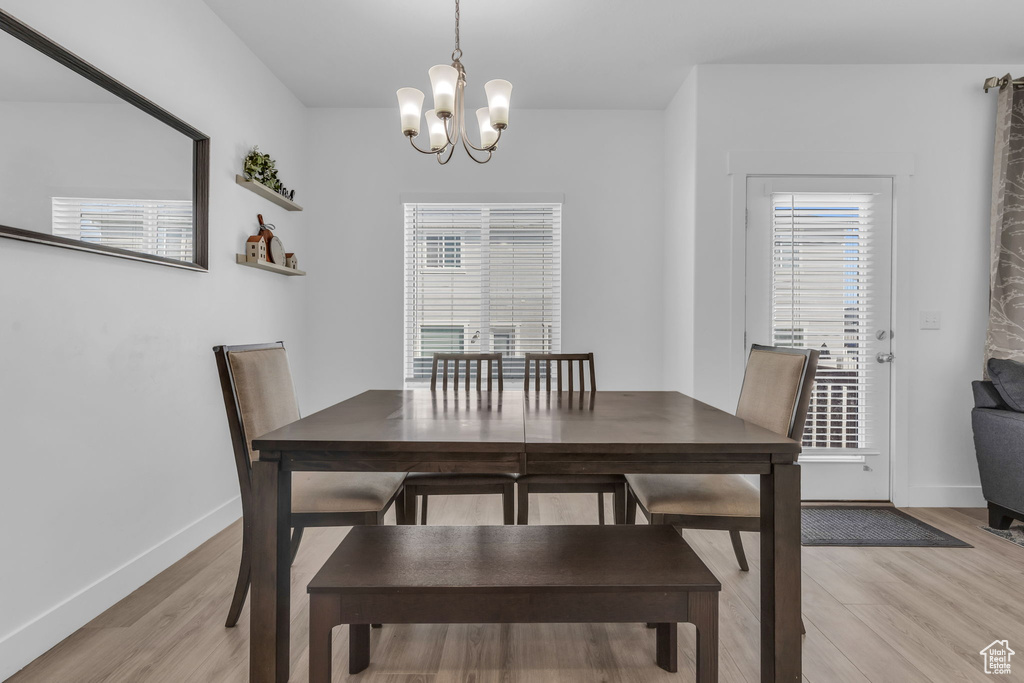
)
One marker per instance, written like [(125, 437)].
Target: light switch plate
[(931, 320)]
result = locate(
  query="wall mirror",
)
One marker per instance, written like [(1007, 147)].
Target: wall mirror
[(87, 163)]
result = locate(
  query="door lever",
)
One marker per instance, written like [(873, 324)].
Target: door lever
[(883, 357)]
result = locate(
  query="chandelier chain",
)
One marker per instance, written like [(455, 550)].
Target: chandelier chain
[(457, 53)]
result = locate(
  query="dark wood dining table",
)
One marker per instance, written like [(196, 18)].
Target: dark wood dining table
[(616, 432)]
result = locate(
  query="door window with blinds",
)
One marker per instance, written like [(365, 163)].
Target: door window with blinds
[(819, 263), (481, 278), (149, 226)]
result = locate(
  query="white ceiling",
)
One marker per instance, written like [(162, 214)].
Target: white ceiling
[(600, 54)]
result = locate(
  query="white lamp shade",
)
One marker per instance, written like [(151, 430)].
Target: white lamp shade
[(488, 136), (410, 104), (499, 93), (443, 79), (435, 126)]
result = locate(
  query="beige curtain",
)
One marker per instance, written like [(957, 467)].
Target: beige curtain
[(1005, 337)]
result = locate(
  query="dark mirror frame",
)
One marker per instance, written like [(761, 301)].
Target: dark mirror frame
[(200, 155)]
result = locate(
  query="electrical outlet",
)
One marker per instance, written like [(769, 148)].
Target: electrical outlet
[(931, 320)]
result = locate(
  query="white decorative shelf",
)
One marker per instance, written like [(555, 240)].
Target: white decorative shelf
[(265, 192), (267, 265)]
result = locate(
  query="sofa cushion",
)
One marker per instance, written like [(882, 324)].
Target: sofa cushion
[(987, 396), (1008, 378)]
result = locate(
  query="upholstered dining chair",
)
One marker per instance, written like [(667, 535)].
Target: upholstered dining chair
[(567, 483), (259, 397), (775, 395), (421, 485)]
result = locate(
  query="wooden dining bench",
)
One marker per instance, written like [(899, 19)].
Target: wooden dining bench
[(513, 574)]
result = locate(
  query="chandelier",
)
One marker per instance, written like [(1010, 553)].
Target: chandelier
[(446, 122)]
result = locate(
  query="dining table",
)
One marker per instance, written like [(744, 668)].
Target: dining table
[(602, 432)]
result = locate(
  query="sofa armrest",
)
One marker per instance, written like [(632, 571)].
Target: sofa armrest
[(986, 396), (999, 443)]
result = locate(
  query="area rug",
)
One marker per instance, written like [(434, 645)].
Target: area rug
[(862, 526), (1015, 534)]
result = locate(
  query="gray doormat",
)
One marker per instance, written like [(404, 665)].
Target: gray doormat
[(1015, 534), (850, 525)]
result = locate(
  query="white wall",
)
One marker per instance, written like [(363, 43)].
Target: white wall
[(608, 165), (116, 453), (937, 115), (680, 234)]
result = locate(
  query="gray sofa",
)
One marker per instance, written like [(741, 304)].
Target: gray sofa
[(999, 442)]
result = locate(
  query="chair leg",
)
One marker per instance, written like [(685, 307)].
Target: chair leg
[(600, 508), (423, 512), (631, 505), (296, 540), (508, 503), (524, 503), (358, 647), (242, 583), (408, 497), (400, 507), (619, 498), (737, 546)]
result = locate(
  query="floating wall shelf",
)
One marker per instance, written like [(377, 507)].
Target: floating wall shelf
[(265, 192), (267, 265)]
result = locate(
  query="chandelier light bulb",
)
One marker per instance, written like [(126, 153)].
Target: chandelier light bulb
[(438, 136), (488, 136), (499, 93), (410, 104), (443, 80)]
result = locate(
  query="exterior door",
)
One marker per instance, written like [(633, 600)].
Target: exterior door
[(818, 275)]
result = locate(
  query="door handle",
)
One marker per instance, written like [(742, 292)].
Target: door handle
[(883, 357)]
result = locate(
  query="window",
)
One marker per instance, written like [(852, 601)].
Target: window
[(822, 297), (150, 226), (444, 251), (481, 278)]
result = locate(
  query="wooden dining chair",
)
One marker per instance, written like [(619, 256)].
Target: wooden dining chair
[(259, 397), (775, 395), (579, 368), (421, 485)]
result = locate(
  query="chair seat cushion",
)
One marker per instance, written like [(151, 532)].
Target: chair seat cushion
[(458, 479), (570, 479), (344, 491), (709, 495)]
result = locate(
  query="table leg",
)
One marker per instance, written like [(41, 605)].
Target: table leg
[(270, 614), (667, 650), (780, 575)]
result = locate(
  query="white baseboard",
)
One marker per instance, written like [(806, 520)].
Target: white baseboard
[(946, 497), (27, 642)]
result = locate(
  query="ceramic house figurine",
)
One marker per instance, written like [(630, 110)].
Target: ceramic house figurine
[(290, 261), (256, 248)]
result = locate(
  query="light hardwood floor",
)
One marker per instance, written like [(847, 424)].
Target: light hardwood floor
[(894, 615)]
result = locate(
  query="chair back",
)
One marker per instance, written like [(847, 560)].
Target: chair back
[(777, 388), (466, 359), (544, 360), (259, 397)]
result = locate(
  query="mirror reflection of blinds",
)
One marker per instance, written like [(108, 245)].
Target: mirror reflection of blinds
[(148, 226), (481, 278), (822, 299)]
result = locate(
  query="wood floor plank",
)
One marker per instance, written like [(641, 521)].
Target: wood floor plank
[(872, 614)]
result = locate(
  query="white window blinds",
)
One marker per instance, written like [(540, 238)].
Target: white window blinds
[(481, 278), (822, 298), (149, 226)]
